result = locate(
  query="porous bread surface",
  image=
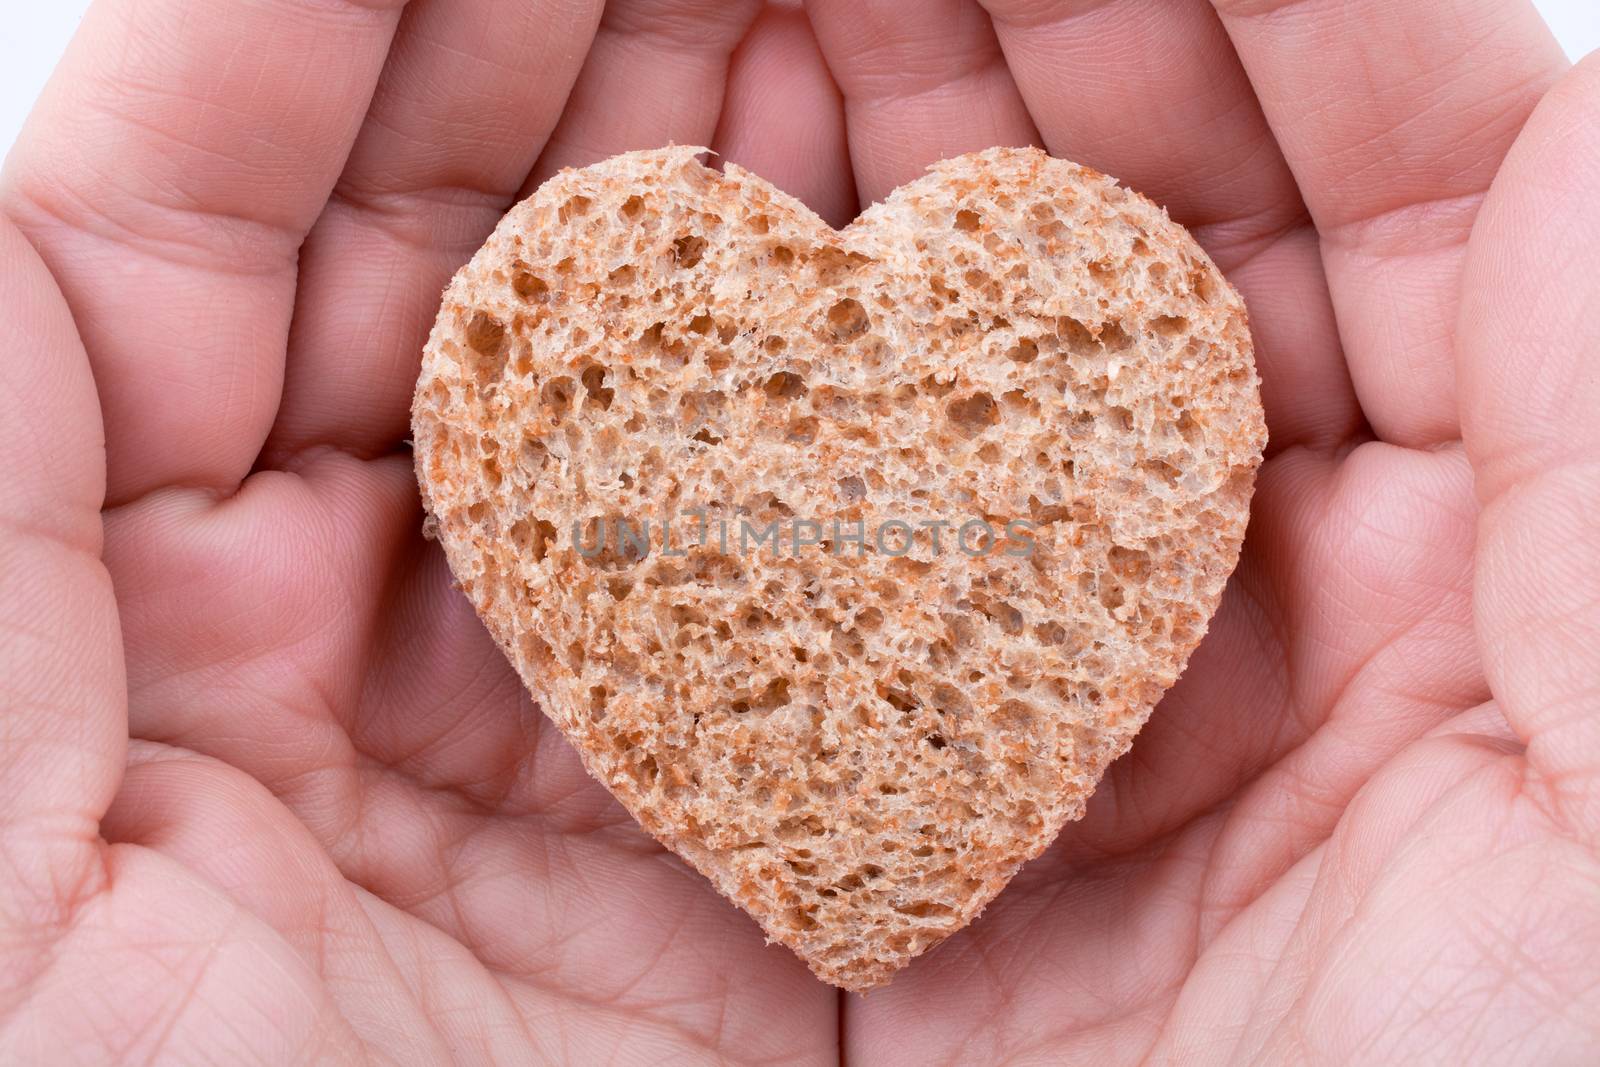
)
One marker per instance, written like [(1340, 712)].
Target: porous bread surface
[(859, 747)]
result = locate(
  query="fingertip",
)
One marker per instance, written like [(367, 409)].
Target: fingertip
[(922, 81), (784, 116)]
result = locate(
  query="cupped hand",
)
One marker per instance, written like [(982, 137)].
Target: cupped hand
[(269, 794)]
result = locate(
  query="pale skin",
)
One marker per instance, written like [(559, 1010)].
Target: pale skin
[(269, 794)]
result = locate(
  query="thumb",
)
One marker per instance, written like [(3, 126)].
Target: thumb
[(1529, 364), (63, 706)]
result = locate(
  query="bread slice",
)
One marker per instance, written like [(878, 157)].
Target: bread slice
[(858, 741)]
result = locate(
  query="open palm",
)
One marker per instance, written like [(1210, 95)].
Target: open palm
[(268, 792)]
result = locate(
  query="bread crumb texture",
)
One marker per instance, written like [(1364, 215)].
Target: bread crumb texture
[(858, 744)]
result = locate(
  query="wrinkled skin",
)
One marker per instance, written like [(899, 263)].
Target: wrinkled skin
[(268, 793)]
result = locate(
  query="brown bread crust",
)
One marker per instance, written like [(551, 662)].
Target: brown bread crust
[(858, 749)]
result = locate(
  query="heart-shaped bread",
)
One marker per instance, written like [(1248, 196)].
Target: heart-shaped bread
[(652, 372)]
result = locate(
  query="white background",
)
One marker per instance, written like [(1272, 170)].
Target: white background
[(33, 33)]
